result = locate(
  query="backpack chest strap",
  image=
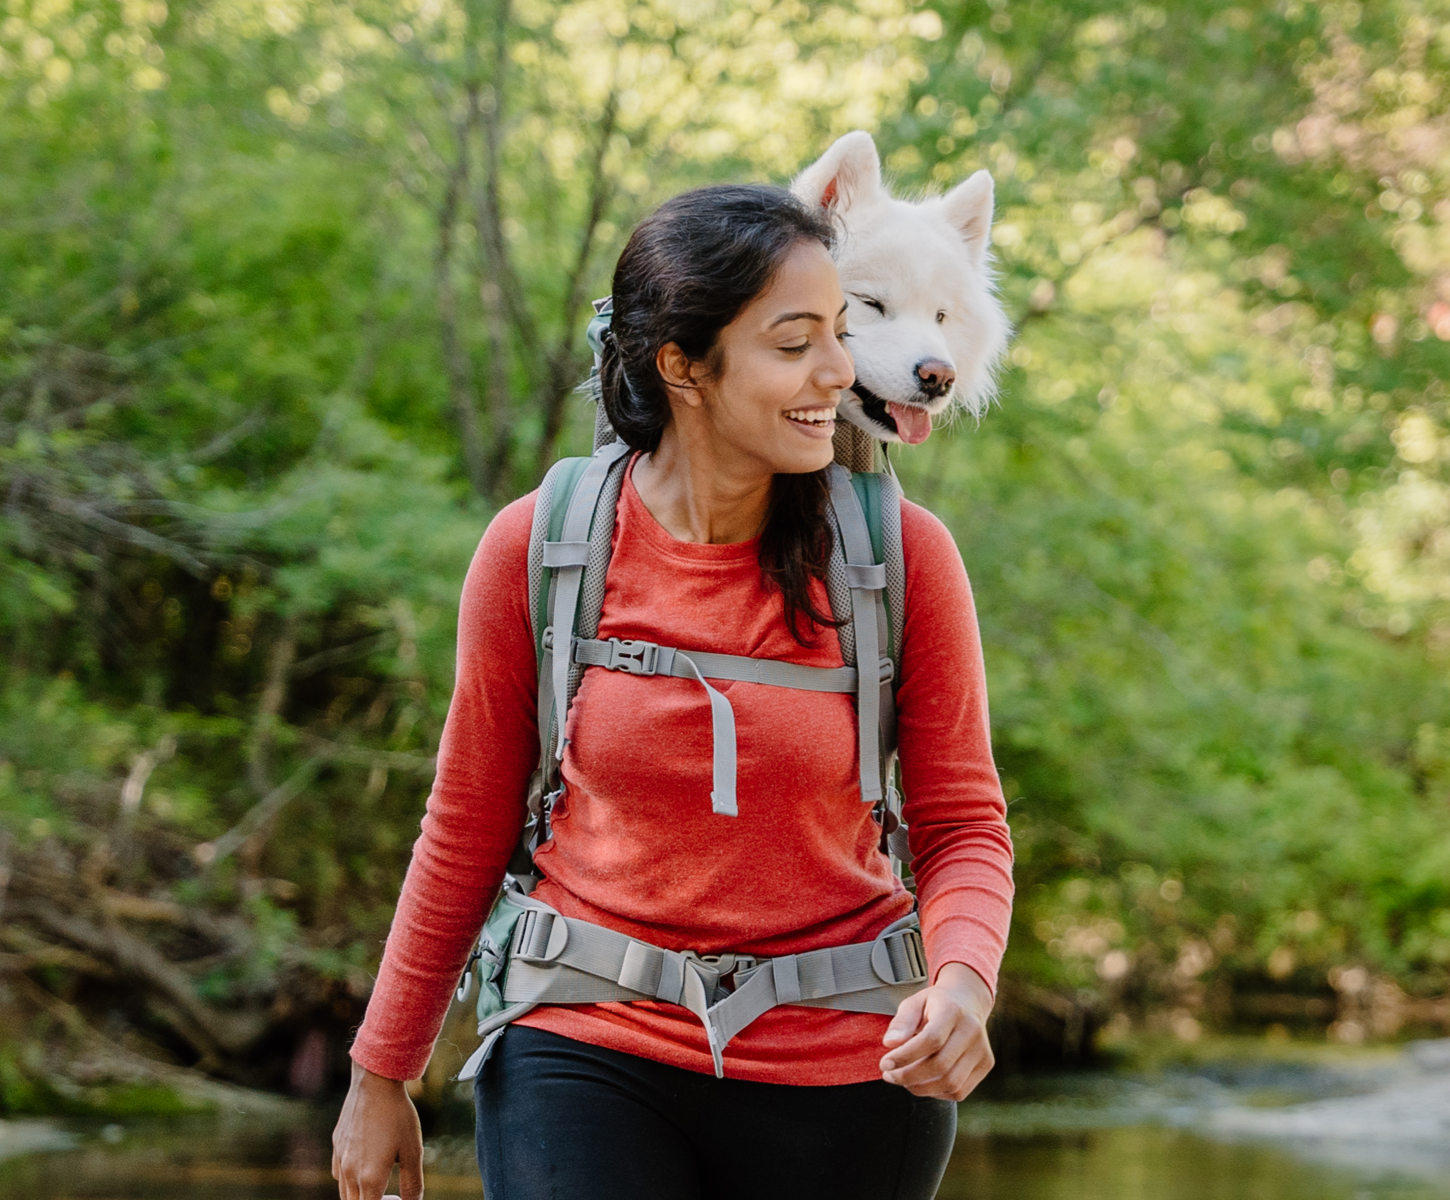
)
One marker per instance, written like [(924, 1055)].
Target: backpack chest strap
[(650, 658)]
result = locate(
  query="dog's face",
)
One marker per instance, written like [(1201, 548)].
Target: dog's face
[(927, 330)]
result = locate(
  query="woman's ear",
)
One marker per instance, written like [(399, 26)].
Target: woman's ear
[(678, 372)]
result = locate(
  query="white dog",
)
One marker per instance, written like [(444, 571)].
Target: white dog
[(927, 330)]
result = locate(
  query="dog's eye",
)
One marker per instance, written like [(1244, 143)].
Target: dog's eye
[(940, 317), (876, 304)]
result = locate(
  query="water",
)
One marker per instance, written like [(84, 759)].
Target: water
[(1221, 1133)]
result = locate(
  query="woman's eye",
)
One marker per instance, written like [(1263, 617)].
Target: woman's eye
[(801, 349), (843, 335)]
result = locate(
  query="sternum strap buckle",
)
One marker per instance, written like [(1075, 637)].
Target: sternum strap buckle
[(634, 658)]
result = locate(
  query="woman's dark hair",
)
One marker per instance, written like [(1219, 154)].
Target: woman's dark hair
[(687, 271)]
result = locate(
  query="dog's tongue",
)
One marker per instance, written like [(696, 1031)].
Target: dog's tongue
[(912, 423)]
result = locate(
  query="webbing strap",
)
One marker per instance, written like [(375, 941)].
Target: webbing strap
[(867, 579), (569, 574), (649, 658), (561, 960), (722, 737)]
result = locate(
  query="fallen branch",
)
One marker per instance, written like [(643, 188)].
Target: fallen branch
[(340, 654), (230, 933), (206, 1028), (274, 695), (31, 952), (208, 854), (361, 756)]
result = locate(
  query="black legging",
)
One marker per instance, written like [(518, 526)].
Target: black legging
[(563, 1119)]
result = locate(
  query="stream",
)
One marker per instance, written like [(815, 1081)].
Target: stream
[(1372, 1127)]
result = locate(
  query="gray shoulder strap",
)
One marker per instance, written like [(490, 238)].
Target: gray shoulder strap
[(894, 558), (866, 579), (569, 556)]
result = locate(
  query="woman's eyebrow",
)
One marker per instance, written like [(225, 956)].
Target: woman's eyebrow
[(801, 316), (796, 316)]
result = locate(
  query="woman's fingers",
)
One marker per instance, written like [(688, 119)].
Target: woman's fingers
[(941, 1019), (954, 1073), (939, 1055), (410, 1173), (907, 1020), (377, 1128), (947, 1055)]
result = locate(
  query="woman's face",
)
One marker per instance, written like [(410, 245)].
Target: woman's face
[(779, 368)]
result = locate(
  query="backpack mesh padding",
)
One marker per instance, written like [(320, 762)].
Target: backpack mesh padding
[(894, 558), (840, 596), (543, 505), (891, 554)]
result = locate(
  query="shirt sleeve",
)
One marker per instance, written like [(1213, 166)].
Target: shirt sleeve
[(954, 806), (475, 812)]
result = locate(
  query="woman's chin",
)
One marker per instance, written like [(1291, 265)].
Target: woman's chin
[(801, 460)]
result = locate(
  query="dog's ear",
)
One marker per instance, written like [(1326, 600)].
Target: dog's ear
[(846, 174), (968, 207)]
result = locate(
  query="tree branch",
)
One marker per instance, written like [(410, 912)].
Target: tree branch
[(563, 364), (455, 354), (231, 1032), (274, 695), (488, 209), (208, 854)]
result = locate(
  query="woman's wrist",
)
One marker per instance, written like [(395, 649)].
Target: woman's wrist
[(960, 978), (362, 1077)]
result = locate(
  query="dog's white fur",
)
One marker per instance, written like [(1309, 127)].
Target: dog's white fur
[(926, 264)]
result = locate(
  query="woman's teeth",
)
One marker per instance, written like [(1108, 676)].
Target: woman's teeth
[(812, 416)]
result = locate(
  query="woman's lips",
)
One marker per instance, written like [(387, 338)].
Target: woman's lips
[(814, 422)]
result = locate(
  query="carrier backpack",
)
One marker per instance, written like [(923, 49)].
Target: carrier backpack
[(529, 954)]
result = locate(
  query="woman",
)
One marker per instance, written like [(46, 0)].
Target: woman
[(722, 370)]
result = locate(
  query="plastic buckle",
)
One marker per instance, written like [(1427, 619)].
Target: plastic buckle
[(740, 970), (633, 658), (465, 981), (911, 945)]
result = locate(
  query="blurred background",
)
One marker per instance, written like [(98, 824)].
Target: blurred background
[(292, 296)]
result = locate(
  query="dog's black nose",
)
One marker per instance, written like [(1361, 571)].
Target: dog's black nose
[(937, 377)]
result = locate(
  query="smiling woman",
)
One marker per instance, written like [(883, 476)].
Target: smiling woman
[(721, 372), (753, 299)]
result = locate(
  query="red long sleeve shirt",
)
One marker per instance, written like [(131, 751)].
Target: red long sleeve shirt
[(635, 845)]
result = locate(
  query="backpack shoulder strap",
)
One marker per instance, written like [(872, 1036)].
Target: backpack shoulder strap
[(569, 552), (879, 493), (865, 578)]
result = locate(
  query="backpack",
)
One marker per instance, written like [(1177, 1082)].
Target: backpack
[(570, 545)]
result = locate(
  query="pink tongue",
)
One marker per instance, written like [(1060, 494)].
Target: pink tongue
[(912, 423)]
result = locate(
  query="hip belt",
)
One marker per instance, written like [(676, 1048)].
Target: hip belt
[(547, 958)]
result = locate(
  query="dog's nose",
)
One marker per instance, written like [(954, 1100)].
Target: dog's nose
[(937, 377)]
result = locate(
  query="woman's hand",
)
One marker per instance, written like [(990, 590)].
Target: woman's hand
[(936, 1045), (378, 1127)]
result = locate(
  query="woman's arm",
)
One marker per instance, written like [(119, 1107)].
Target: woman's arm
[(475, 812), (474, 818), (957, 820)]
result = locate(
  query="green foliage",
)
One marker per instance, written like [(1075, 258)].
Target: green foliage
[(1177, 523), (293, 300)]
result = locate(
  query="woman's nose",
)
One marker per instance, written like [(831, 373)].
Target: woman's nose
[(839, 371)]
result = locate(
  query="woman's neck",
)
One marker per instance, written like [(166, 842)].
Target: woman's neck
[(700, 495)]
